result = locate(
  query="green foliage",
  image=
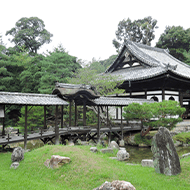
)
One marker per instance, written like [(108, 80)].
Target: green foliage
[(30, 33), (165, 114), (183, 137), (141, 30), (177, 40), (57, 66), (104, 84), (108, 62), (35, 117), (142, 140)]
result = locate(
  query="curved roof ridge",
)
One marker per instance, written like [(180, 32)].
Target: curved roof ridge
[(150, 47), (141, 55), (172, 57)]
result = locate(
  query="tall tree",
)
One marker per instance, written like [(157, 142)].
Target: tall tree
[(177, 40), (57, 66), (30, 33), (141, 30)]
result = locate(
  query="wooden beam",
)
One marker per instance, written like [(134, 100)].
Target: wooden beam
[(62, 107), (45, 126), (56, 127), (25, 128)]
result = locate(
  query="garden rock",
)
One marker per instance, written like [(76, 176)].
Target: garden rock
[(17, 155), (185, 155), (113, 145), (94, 149), (147, 163), (15, 165), (57, 161), (165, 157), (116, 185), (122, 155), (121, 143)]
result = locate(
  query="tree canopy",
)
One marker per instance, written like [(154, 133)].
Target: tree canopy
[(30, 33), (141, 30), (56, 66), (177, 40), (157, 114)]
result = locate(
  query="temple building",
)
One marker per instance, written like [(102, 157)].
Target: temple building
[(151, 73)]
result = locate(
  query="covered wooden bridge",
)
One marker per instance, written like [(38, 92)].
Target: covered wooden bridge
[(28, 99), (64, 95)]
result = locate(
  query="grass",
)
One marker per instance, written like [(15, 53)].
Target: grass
[(86, 171)]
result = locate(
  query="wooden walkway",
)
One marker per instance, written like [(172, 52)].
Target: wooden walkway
[(65, 133)]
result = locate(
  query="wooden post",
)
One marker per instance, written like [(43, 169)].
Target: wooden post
[(98, 129), (70, 113), (56, 127), (121, 124), (3, 130), (163, 94), (62, 107), (145, 94), (181, 98), (45, 126), (25, 128), (109, 133), (75, 114), (84, 113)]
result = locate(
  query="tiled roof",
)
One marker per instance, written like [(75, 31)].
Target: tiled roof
[(110, 101), (132, 74), (30, 99), (155, 61)]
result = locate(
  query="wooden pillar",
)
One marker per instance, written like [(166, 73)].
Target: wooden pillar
[(84, 113), (121, 123), (45, 126), (70, 102), (107, 123), (181, 98), (98, 129), (3, 130), (25, 128), (107, 114), (75, 114), (163, 94), (56, 127), (145, 94), (62, 107)]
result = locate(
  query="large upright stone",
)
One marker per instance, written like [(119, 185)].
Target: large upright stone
[(165, 157), (17, 155)]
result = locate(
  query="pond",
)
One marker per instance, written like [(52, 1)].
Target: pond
[(137, 154)]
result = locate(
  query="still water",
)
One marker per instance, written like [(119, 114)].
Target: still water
[(137, 154)]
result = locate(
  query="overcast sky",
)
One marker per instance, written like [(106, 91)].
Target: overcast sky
[(86, 28)]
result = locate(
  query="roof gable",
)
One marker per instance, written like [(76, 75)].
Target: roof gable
[(145, 58)]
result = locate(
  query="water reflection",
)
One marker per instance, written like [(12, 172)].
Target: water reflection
[(137, 154)]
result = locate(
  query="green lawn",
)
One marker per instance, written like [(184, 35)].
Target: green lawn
[(86, 170)]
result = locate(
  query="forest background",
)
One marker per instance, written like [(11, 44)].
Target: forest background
[(23, 69)]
